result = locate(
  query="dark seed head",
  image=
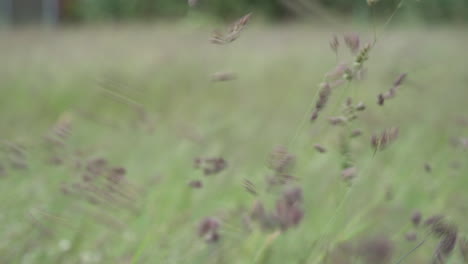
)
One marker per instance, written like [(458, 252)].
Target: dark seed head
[(360, 106), (433, 220), (314, 116), (427, 167), (281, 161), (208, 229), (250, 187), (337, 120), (416, 218), (399, 81), (349, 173), (288, 215), (210, 166), (97, 166), (116, 175), (382, 140), (213, 238), (377, 250), (380, 99), (356, 133), (320, 148), (352, 41), (293, 196), (334, 44), (196, 184), (445, 247)]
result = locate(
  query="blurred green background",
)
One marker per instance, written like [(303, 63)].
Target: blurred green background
[(19, 11), (133, 85)]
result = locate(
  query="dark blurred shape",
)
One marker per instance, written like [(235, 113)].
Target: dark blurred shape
[(210, 166), (250, 187), (356, 133), (324, 94), (320, 148), (353, 42), (392, 91), (196, 184), (97, 166), (447, 233), (385, 138), (334, 44), (411, 236), (377, 250), (281, 161), (427, 167), (349, 173), (116, 175), (416, 218), (208, 229), (288, 208)]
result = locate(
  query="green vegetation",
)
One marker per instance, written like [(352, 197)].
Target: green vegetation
[(140, 98), (429, 10)]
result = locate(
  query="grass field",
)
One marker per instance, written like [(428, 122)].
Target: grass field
[(100, 128)]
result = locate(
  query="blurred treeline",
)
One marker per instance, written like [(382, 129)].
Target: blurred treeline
[(86, 10)]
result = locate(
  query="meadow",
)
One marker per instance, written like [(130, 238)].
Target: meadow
[(119, 145)]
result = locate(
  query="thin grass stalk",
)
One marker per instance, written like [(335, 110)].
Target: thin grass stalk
[(349, 191), (402, 258), (400, 5), (330, 222)]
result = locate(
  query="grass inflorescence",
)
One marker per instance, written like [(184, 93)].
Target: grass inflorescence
[(165, 165)]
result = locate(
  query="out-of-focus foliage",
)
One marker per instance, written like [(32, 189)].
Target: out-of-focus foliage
[(430, 10), (137, 144)]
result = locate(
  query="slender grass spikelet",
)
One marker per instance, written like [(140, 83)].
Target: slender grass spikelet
[(233, 32)]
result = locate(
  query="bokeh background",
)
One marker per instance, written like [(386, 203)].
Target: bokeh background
[(78, 11), (127, 135)]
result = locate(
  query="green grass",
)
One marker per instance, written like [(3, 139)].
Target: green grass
[(103, 76)]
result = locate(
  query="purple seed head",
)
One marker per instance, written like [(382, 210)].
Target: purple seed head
[(416, 218)]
